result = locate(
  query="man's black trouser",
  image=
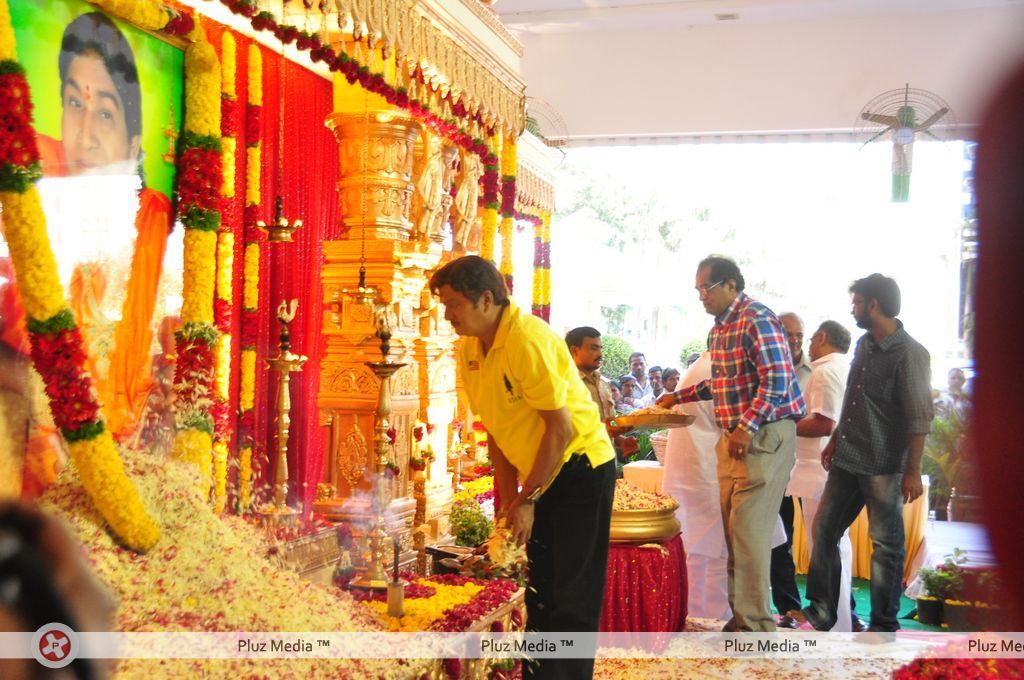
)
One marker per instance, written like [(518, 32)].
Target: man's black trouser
[(785, 595), (568, 556)]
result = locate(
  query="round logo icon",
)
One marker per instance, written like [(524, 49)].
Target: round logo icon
[(55, 645)]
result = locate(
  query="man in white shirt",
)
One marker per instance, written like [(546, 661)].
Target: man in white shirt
[(824, 397), (638, 369)]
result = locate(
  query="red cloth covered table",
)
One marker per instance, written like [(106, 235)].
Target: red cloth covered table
[(646, 587)]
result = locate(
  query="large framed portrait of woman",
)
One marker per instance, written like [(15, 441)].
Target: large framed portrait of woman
[(107, 100)]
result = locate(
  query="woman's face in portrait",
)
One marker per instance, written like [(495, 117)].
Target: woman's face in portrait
[(94, 130)]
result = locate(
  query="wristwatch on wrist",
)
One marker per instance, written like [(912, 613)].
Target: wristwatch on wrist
[(532, 492)]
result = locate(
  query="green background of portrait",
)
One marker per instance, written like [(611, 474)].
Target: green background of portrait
[(38, 29)]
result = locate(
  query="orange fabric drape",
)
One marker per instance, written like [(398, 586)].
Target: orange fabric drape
[(129, 379)]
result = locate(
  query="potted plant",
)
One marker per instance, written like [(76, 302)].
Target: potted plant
[(959, 615), (940, 583)]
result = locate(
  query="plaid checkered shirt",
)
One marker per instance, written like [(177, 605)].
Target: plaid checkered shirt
[(752, 377)]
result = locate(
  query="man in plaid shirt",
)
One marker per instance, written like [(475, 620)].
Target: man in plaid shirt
[(757, 402)]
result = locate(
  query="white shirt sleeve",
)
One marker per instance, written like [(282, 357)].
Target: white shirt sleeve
[(825, 395)]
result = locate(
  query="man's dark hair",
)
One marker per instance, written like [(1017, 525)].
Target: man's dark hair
[(881, 289), (471, 275), (576, 336), (95, 33), (836, 334), (634, 355), (652, 369), (668, 373), (723, 269), (627, 378)]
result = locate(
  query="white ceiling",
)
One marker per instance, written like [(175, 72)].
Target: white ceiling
[(644, 71), (552, 16)]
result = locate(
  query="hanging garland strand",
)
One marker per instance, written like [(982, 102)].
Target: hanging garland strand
[(200, 176), (58, 351), (251, 279), (489, 200), (224, 302), (508, 206)]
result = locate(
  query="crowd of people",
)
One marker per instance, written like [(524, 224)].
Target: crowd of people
[(777, 431)]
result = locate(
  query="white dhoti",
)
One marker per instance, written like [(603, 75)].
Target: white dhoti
[(691, 477)]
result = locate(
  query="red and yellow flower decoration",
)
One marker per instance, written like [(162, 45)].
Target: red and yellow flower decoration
[(200, 177), (542, 266), (251, 278), (224, 303), (489, 197), (58, 350), (508, 206)]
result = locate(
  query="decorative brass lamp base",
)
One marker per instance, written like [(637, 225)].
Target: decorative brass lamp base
[(273, 516)]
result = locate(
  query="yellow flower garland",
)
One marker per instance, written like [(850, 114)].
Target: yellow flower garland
[(508, 169), (7, 44), (202, 90), (228, 64), (255, 75), (200, 271), (100, 468), (245, 479), (220, 476), (228, 147), (247, 389), (489, 221), (202, 120), (38, 282), (250, 283), (150, 16)]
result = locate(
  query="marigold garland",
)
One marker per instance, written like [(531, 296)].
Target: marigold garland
[(489, 197), (200, 179), (508, 206), (58, 350), (542, 266), (250, 278)]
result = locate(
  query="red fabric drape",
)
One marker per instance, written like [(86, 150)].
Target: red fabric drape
[(645, 588), (1000, 327), (293, 270)]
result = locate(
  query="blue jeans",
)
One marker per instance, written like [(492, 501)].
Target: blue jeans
[(844, 496)]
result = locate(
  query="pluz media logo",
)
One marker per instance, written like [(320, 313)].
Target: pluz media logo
[(55, 645)]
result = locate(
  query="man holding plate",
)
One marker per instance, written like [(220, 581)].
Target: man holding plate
[(757, 402)]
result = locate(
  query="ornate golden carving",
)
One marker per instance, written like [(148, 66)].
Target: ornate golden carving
[(466, 197), (428, 204), (376, 160), (404, 383), (442, 376), (354, 455), (348, 379)]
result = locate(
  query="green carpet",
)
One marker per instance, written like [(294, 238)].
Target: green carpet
[(862, 596)]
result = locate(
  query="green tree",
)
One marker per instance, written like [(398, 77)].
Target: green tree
[(615, 317), (616, 353), (693, 345)]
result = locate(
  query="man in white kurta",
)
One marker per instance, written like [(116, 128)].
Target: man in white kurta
[(824, 396), (691, 477)]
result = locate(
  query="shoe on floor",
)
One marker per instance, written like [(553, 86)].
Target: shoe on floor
[(787, 621), (858, 626)]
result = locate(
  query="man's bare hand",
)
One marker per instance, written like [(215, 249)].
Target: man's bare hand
[(666, 400), (520, 521), (912, 487), (739, 442), (827, 453)]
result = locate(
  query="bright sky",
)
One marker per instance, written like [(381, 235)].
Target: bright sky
[(806, 220)]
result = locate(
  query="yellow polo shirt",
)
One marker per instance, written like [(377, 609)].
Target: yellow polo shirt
[(529, 369)]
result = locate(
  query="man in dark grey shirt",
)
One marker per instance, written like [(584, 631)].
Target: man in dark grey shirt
[(873, 457)]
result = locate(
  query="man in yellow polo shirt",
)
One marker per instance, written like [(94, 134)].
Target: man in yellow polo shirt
[(553, 463)]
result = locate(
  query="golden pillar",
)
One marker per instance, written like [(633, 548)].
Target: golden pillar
[(391, 189)]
